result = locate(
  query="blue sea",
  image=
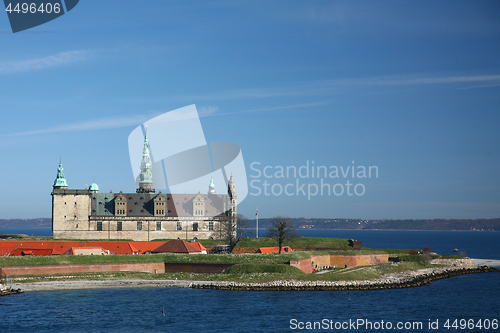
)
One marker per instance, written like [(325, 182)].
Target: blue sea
[(463, 303)]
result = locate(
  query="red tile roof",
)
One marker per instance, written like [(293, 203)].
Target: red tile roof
[(274, 249), (8, 247), (176, 246), (54, 247), (199, 246)]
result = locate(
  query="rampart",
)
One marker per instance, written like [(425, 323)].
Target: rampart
[(156, 268), (308, 265), (173, 267)]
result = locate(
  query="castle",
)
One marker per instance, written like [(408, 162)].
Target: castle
[(141, 216)]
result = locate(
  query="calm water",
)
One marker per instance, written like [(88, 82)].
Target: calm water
[(25, 231), (472, 297)]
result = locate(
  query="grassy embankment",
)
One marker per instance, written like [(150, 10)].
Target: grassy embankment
[(249, 268)]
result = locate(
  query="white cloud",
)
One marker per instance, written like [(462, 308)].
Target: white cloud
[(337, 86), (134, 120), (93, 124), (61, 58)]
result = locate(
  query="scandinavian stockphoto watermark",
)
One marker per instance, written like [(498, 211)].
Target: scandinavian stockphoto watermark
[(310, 180)]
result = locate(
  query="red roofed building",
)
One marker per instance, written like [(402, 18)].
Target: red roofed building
[(86, 251), (274, 249), (177, 246)]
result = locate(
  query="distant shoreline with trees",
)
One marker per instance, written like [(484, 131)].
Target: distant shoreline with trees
[(302, 223)]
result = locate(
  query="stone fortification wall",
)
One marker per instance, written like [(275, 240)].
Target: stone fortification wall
[(156, 268), (172, 267)]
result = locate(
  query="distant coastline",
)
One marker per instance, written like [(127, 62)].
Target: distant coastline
[(327, 224)]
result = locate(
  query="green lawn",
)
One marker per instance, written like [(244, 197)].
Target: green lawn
[(246, 273), (248, 268)]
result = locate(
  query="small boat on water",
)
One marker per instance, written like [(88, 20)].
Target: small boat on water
[(454, 250)]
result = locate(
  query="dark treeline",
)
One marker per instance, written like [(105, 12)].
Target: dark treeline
[(26, 223), (408, 224), (324, 223)]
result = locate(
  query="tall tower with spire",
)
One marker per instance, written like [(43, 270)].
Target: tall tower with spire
[(231, 190), (211, 187), (146, 176), (60, 181)]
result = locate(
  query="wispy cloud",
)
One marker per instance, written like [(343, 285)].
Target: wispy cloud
[(340, 86), (426, 80), (277, 108), (134, 120), (93, 124), (58, 59)]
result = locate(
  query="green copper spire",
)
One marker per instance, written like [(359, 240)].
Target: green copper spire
[(146, 176), (211, 187), (60, 180)]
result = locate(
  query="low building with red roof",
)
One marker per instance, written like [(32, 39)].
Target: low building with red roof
[(177, 246), (274, 249)]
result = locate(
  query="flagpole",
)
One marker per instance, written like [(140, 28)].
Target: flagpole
[(257, 214)]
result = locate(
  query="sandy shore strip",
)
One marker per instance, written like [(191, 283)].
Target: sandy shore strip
[(102, 284), (486, 262)]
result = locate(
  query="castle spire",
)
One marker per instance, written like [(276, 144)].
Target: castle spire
[(146, 176), (60, 181), (231, 186), (211, 187)]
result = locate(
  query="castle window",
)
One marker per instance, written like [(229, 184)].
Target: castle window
[(158, 225), (119, 226), (179, 225), (99, 226), (139, 225), (195, 226), (211, 225)]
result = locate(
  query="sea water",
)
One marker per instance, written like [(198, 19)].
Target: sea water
[(471, 299)]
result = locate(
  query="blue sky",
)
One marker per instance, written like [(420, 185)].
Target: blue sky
[(412, 88)]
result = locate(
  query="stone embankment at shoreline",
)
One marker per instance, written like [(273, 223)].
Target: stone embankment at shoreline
[(4, 290), (460, 263), (406, 279), (390, 281)]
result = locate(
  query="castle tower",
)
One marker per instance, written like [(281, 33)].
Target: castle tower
[(94, 188), (146, 176), (231, 190), (60, 182), (70, 208), (211, 187)]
